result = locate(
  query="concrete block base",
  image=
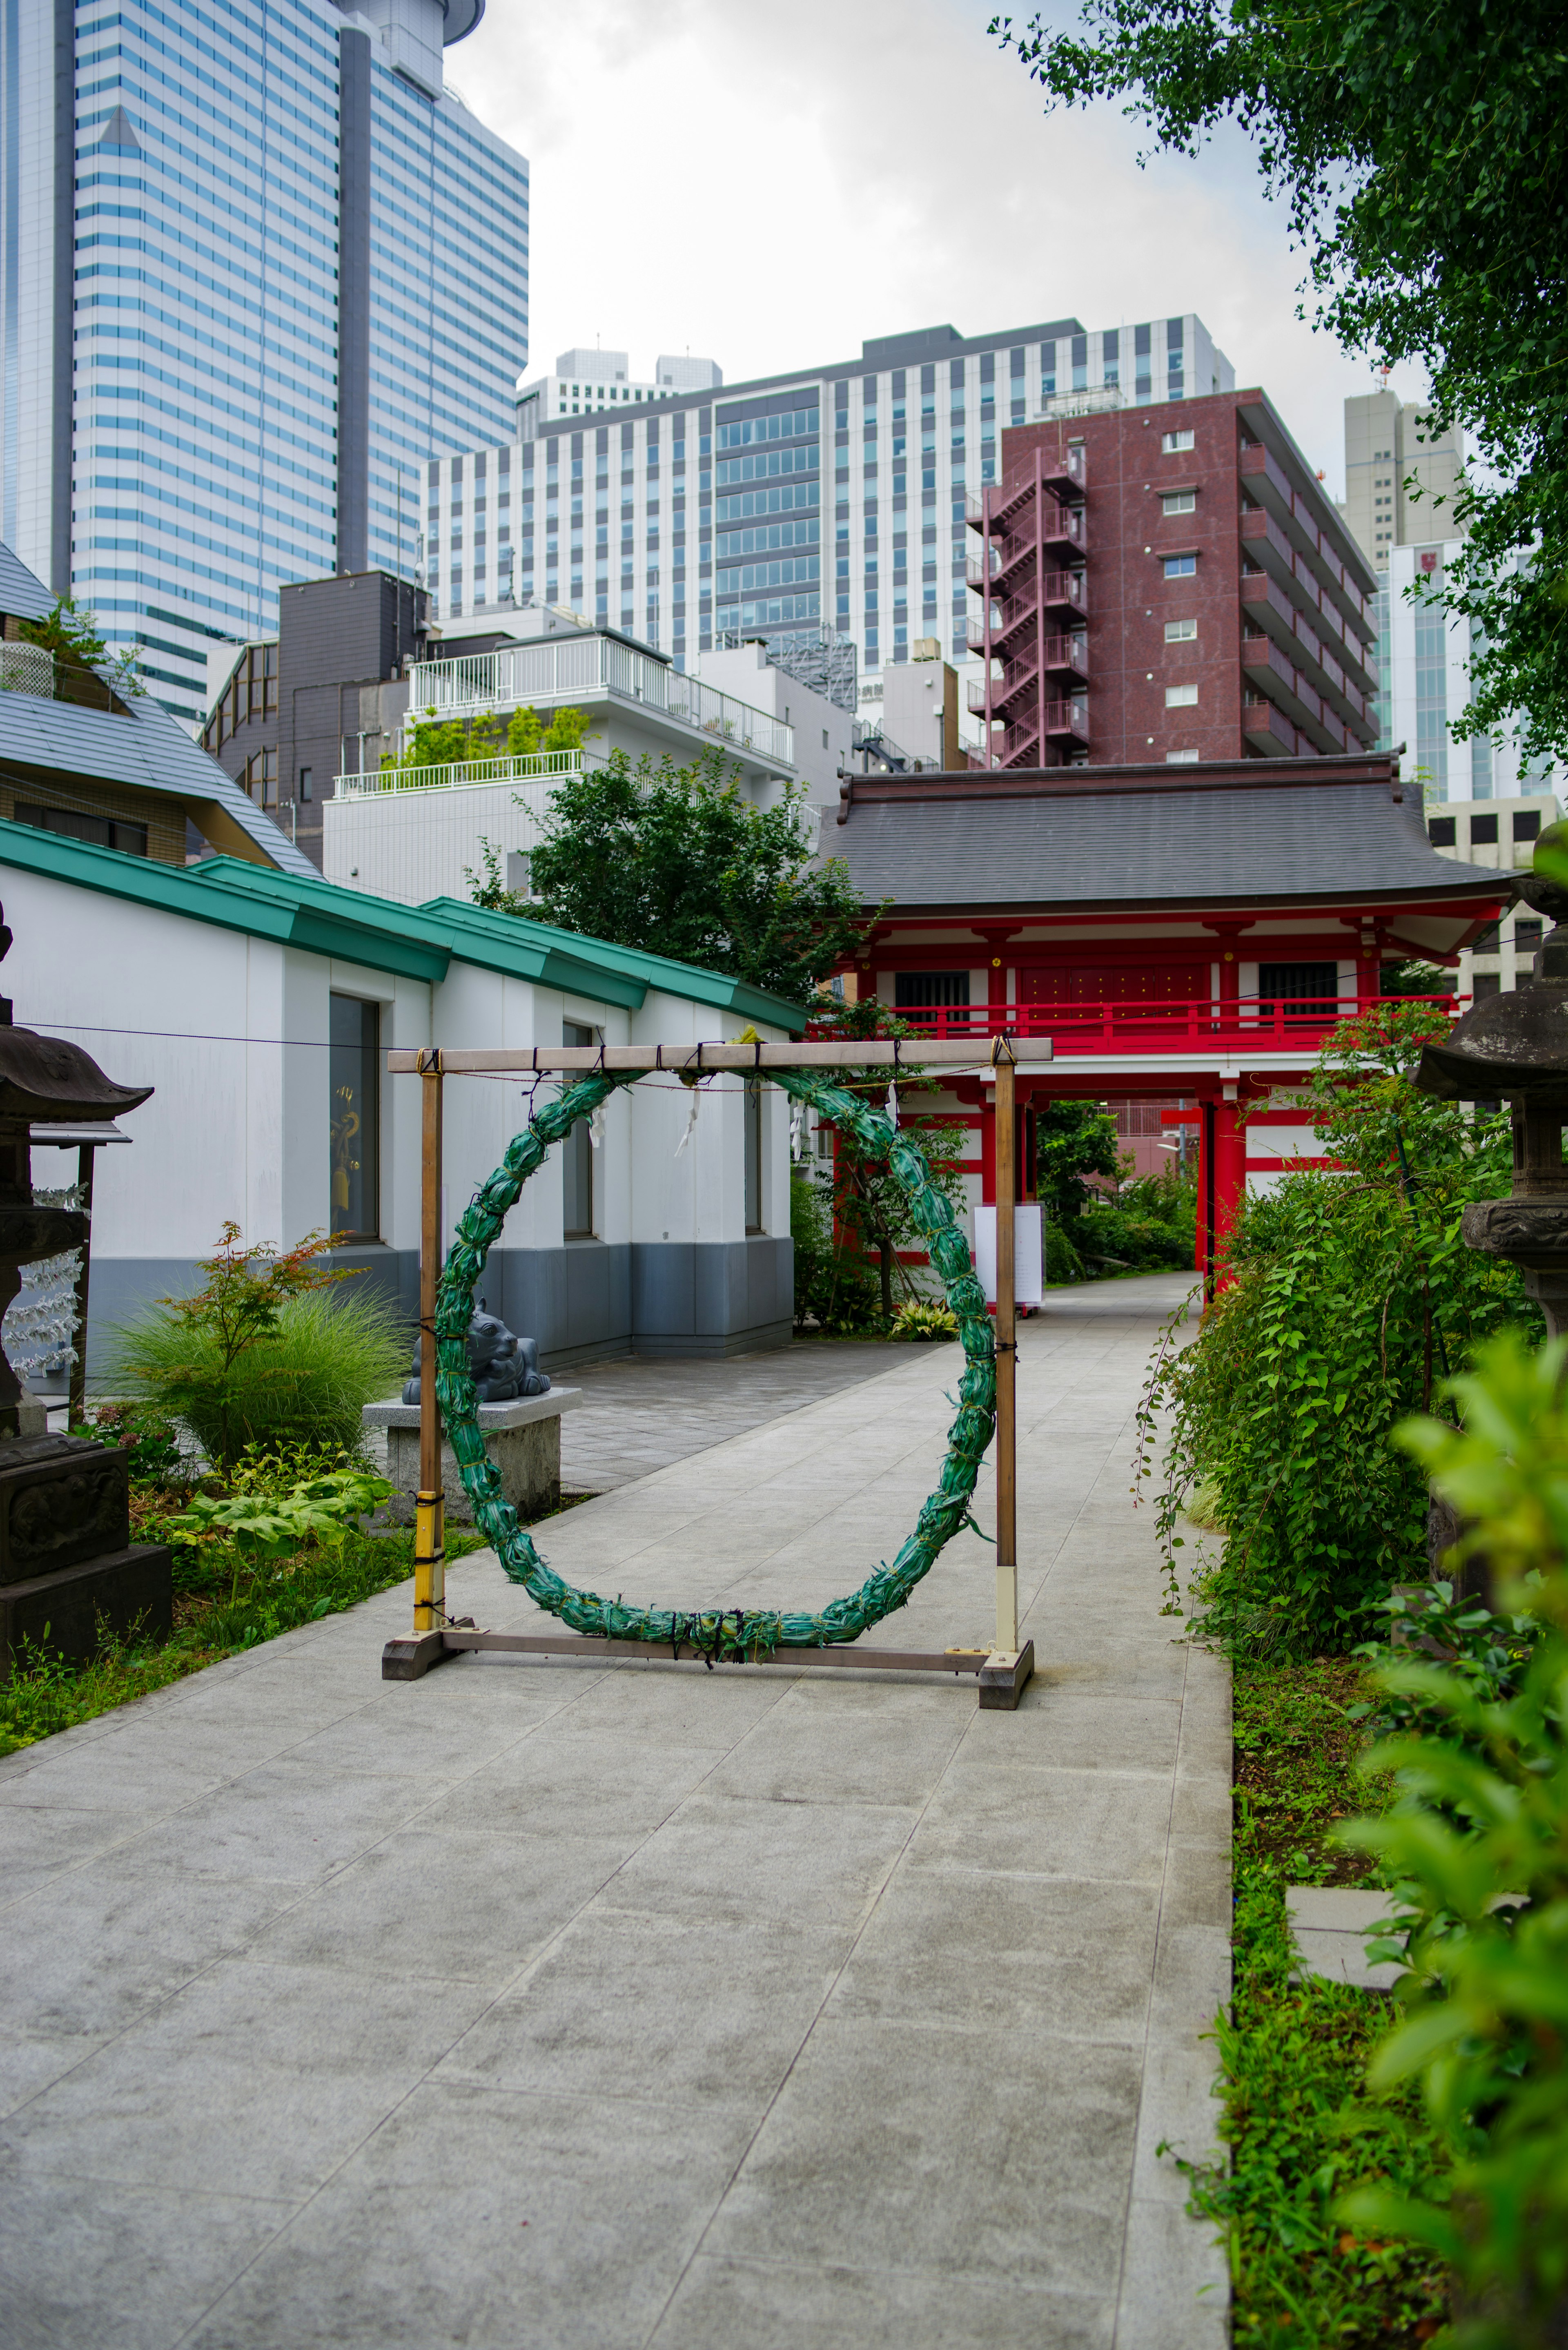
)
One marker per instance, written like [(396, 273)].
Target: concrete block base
[(70, 1611), (522, 1439)]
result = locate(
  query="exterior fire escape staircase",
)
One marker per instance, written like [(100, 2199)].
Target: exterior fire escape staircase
[(1033, 536)]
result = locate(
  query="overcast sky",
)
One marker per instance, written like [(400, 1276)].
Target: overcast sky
[(767, 186)]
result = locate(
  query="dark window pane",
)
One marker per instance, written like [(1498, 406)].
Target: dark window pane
[(355, 1058), (1483, 830), (1527, 824), (1527, 933), (1442, 831), (1316, 983), (577, 1159), (754, 1122), (918, 990)]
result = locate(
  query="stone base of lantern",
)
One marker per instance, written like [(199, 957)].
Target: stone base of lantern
[(70, 1576)]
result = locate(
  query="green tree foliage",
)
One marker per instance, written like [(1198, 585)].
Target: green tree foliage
[(70, 631), (435, 742), (678, 861), (1477, 1847), (1343, 1296), (1419, 152)]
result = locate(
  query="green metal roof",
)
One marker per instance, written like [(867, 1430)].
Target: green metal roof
[(415, 941)]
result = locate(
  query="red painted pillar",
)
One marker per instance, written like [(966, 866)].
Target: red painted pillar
[(1229, 1168)]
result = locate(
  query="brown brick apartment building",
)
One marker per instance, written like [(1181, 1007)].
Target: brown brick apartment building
[(1167, 583)]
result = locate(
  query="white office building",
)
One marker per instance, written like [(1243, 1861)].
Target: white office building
[(587, 383), (832, 499), (1424, 656), (256, 265)]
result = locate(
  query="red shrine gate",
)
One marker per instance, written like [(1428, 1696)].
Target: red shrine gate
[(1189, 933)]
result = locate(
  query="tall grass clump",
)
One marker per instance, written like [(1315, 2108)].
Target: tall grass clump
[(261, 1356)]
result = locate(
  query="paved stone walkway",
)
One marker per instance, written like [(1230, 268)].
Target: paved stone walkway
[(640, 1414), (550, 2007)]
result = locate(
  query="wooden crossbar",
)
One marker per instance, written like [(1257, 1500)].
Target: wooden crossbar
[(911, 1053)]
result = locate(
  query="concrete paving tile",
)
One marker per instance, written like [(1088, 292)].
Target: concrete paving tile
[(1005, 1955), (607, 2011), (254, 2080), (72, 2252), (770, 2305), (995, 1815), (286, 1823), (467, 1904), (1197, 1890), (92, 1952), (29, 2062), (1174, 2289), (1025, 2178), (1088, 1731), (857, 1742), (39, 1841), (430, 1733), (497, 2220), (1178, 2108), (734, 1858), (144, 1784)]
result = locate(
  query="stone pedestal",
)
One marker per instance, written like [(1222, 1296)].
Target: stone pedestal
[(523, 1439), (69, 1569)]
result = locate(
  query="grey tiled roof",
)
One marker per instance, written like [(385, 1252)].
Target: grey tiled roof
[(146, 747), (1135, 848), (25, 598)]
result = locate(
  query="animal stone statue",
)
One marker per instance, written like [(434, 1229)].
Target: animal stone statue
[(501, 1365)]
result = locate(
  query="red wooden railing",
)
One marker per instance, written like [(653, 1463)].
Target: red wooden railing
[(1248, 1024)]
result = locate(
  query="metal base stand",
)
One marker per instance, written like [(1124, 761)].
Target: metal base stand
[(1001, 1674)]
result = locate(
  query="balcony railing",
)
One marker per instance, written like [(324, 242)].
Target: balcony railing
[(463, 774), (1250, 1024), (28, 668), (563, 669)]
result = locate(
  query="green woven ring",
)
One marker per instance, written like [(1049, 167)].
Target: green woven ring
[(735, 1633)]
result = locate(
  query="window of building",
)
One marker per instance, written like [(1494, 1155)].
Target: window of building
[(104, 832), (354, 1076), (1527, 933), (918, 991), (1173, 443), (1181, 758), (1483, 831), (1181, 567), (1178, 502), (752, 1112), (1180, 697), (1180, 632), (577, 1159), (307, 781), (1442, 831), (1299, 983)]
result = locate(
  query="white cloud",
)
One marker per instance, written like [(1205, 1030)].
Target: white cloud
[(768, 187)]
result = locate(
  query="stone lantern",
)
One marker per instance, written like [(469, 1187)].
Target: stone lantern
[(1514, 1048), (68, 1569)]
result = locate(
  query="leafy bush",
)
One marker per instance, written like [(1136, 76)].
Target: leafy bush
[(920, 1318), (240, 1368), (1478, 1846), (150, 1438), (1343, 1296), (1063, 1261), (832, 1287)]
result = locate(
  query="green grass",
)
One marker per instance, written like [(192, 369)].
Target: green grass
[(1298, 2122), (46, 1694)]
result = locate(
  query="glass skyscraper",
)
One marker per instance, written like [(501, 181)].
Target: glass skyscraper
[(257, 268)]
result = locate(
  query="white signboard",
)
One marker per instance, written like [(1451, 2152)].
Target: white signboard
[(1028, 1254)]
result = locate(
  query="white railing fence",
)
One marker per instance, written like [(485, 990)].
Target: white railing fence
[(556, 670), (459, 775)]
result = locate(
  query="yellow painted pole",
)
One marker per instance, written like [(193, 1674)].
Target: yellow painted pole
[(429, 1532), (1006, 1354)]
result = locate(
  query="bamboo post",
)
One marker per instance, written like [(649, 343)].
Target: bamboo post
[(1006, 1353), (429, 1532)]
